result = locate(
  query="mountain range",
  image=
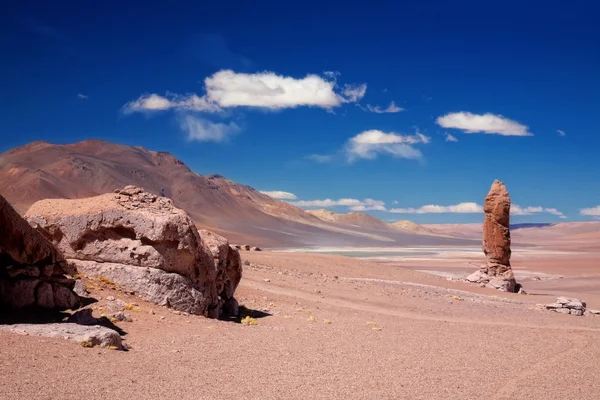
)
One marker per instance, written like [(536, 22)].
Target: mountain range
[(42, 170)]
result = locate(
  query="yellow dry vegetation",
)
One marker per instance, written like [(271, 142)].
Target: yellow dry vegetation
[(247, 320)]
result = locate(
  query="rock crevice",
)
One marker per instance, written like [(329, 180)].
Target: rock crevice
[(32, 272)]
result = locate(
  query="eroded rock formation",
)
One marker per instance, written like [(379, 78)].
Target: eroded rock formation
[(497, 272), (144, 243), (32, 271)]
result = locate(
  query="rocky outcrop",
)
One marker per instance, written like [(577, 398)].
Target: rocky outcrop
[(32, 271), (144, 243), (497, 272)]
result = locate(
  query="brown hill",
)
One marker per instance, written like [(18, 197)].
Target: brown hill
[(42, 170), (409, 226)]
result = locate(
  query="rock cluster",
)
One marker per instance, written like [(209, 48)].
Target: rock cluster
[(566, 305), (32, 272), (144, 243), (497, 272)]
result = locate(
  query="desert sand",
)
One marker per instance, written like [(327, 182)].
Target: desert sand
[(333, 327)]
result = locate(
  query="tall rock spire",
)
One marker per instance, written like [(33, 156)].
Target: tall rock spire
[(497, 272)]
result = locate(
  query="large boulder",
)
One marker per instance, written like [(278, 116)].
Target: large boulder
[(497, 272), (32, 271), (142, 242)]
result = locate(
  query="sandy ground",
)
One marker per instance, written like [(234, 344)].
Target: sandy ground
[(334, 328)]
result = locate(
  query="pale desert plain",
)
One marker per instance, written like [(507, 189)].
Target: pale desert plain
[(338, 327)]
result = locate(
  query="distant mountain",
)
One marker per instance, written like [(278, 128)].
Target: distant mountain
[(409, 226), (42, 170), (356, 219)]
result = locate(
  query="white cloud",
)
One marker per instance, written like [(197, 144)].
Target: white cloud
[(461, 208), (592, 211), (352, 204), (473, 208), (353, 93), (395, 202), (451, 138), (320, 158), (517, 210), (202, 130), (392, 108), (82, 96), (561, 133), (369, 144), (486, 123), (226, 88), (276, 194)]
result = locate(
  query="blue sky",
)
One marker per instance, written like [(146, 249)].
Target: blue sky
[(333, 104)]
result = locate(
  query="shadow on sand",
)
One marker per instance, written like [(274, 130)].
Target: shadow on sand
[(246, 312)]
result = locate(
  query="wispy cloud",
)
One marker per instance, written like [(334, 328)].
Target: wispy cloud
[(267, 90), (82, 96), (353, 92), (473, 208), (203, 130), (392, 108), (319, 158), (154, 102), (370, 144), (352, 204), (561, 133), (591, 212), (485, 123), (276, 194), (44, 30), (213, 49), (451, 138)]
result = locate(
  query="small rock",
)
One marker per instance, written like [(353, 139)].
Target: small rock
[(110, 298), (121, 316), (267, 280), (80, 288), (577, 312)]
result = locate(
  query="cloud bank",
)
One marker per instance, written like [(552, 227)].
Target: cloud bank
[(352, 204), (473, 208), (485, 123)]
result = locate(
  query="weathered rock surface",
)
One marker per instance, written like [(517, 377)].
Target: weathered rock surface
[(144, 243), (566, 305), (497, 272), (88, 335), (32, 271)]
